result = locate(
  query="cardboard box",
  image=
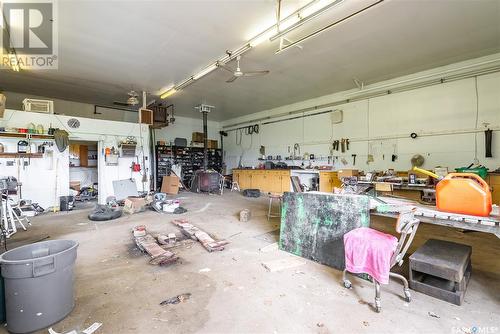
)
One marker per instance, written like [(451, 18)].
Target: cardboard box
[(198, 137), (212, 144), (170, 185), (134, 204), (347, 173), (75, 185), (161, 142)]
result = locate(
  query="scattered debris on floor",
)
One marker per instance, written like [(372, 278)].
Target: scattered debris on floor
[(147, 243), (320, 324), (177, 299), (134, 204), (166, 239), (89, 330), (95, 326), (269, 237), (104, 212), (366, 323), (270, 248), (251, 193), (197, 234), (204, 270), (233, 235), (245, 215), (204, 208), (281, 264), (163, 205), (434, 315)]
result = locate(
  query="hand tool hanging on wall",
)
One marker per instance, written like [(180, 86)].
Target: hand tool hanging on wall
[(394, 156), (353, 159), (342, 145), (488, 136), (347, 144), (335, 145)]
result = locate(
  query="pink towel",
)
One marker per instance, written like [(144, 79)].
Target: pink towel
[(369, 251)]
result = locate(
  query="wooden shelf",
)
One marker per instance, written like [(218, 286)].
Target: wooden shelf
[(21, 155), (25, 135)]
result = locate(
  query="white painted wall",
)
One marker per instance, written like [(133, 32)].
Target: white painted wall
[(72, 108), (447, 107), (48, 178), (86, 176), (184, 127)]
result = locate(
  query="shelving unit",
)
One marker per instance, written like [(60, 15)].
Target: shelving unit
[(189, 158), (21, 155), (25, 135)]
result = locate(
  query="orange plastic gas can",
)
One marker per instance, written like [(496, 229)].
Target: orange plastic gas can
[(464, 193)]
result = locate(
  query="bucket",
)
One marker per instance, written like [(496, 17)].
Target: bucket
[(38, 282), (66, 203)]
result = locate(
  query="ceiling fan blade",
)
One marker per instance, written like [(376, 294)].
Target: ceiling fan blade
[(232, 78), (227, 68), (118, 103), (254, 73)]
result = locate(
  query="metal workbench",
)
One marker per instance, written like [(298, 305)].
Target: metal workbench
[(431, 215)]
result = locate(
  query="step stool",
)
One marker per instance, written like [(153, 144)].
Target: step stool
[(441, 269)]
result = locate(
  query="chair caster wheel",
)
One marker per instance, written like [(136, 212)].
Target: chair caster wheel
[(378, 309), (407, 296), (347, 284)]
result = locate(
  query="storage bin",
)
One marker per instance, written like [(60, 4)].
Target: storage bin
[(38, 282)]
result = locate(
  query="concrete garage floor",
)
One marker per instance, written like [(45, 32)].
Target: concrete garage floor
[(116, 286)]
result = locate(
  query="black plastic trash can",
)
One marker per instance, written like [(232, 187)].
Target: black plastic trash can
[(38, 282), (66, 203)]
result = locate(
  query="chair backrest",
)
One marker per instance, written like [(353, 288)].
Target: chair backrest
[(406, 226)]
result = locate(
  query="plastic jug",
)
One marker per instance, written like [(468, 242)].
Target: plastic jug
[(464, 193)]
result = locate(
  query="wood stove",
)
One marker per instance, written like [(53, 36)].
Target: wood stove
[(205, 180)]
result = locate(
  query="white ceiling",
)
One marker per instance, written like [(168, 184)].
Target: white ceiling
[(109, 47)]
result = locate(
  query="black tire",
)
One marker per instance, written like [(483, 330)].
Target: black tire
[(106, 215)]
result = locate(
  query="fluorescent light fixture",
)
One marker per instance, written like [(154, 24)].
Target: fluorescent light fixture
[(307, 14), (233, 54), (185, 83), (288, 22), (319, 31), (318, 5), (262, 37), (168, 93), (205, 71)]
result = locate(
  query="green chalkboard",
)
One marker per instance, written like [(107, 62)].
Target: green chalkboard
[(313, 224)]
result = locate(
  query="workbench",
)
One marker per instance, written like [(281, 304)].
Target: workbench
[(430, 215), (406, 190), (278, 180)]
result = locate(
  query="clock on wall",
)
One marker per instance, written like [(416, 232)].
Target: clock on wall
[(73, 123)]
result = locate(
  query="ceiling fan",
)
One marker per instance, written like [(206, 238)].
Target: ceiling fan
[(239, 73), (133, 100)]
